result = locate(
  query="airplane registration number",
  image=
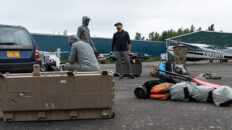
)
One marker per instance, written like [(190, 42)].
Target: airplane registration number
[(214, 55)]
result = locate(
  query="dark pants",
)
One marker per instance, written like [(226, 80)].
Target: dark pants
[(123, 55)]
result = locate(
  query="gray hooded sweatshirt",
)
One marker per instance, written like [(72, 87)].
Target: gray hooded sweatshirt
[(83, 54), (83, 32)]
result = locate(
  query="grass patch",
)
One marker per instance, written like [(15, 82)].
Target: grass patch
[(63, 61), (152, 59), (107, 62)]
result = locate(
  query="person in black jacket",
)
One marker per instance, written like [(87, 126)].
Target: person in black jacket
[(122, 44)]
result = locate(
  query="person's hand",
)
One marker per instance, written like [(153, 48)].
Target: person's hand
[(111, 52), (94, 49), (129, 52)]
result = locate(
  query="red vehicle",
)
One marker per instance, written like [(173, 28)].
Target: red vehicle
[(101, 58)]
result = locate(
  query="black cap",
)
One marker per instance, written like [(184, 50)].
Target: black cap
[(118, 23)]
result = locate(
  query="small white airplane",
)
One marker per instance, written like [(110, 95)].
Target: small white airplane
[(197, 52), (227, 50)]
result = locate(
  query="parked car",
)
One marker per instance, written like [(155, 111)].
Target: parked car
[(113, 56), (101, 58), (143, 56), (18, 50)]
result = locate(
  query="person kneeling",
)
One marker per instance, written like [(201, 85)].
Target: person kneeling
[(83, 54)]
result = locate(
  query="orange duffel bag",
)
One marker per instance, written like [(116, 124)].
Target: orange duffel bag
[(164, 96), (161, 88), (161, 91)]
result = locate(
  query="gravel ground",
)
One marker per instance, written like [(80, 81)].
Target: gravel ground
[(133, 114)]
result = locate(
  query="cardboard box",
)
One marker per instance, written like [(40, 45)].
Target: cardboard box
[(56, 95)]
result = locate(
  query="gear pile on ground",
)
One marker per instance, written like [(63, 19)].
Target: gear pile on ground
[(178, 87), (185, 91), (168, 66)]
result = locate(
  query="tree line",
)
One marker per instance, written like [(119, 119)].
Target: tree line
[(155, 36)]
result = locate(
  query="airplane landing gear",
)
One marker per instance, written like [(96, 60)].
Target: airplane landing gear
[(223, 60)]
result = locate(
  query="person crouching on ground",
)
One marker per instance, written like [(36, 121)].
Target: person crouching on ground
[(83, 54), (121, 41)]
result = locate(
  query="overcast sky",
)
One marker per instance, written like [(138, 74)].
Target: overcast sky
[(144, 16)]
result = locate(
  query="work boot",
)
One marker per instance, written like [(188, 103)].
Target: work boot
[(131, 76), (120, 76)]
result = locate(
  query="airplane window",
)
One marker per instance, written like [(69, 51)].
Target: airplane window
[(211, 47), (191, 48), (194, 48), (198, 49)]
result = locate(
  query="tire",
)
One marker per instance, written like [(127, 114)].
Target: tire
[(141, 92), (116, 74), (137, 75)]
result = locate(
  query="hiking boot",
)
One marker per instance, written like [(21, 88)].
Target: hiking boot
[(120, 76), (131, 76)]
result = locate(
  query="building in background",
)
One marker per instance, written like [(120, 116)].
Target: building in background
[(48, 42)]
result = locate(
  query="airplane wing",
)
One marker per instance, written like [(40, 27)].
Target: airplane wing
[(182, 43), (226, 50)]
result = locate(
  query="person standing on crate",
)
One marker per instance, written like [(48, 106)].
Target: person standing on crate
[(84, 34), (122, 44)]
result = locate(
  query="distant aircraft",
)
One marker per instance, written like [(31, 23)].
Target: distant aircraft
[(197, 52)]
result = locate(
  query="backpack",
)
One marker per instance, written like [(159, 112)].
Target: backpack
[(170, 66), (161, 91), (182, 91), (180, 69), (163, 96), (202, 93), (144, 91), (222, 96), (161, 88), (162, 66)]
